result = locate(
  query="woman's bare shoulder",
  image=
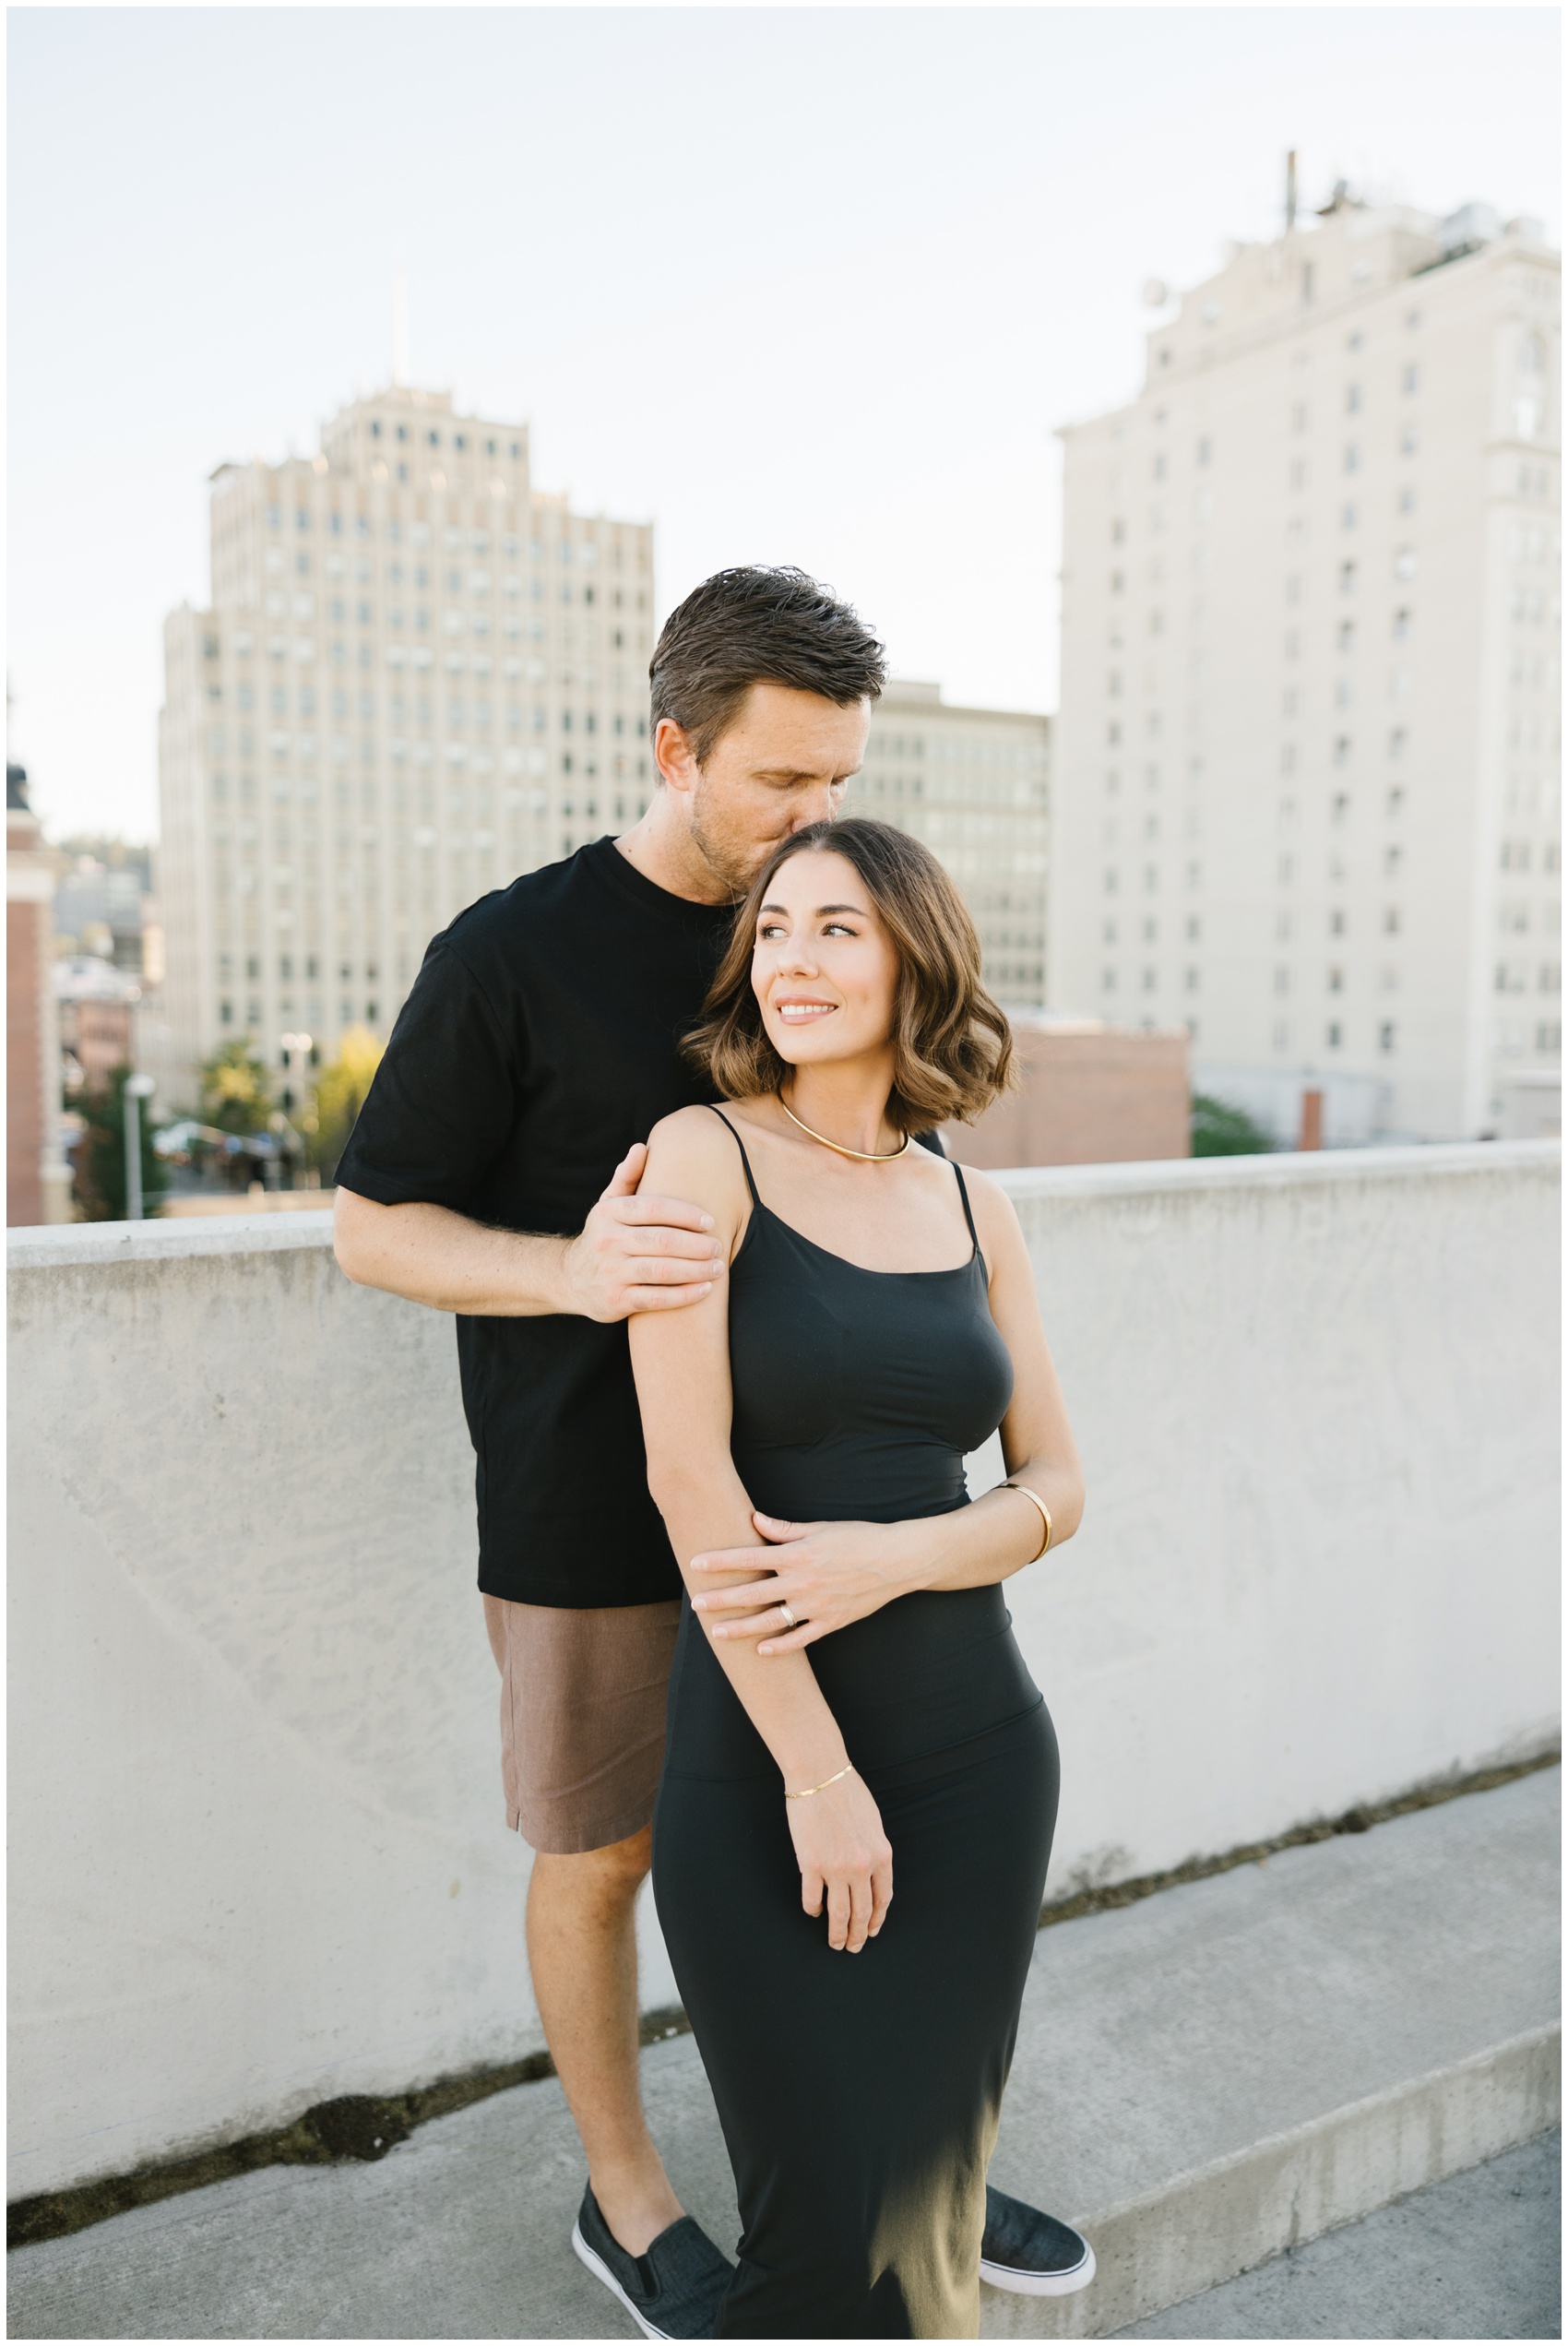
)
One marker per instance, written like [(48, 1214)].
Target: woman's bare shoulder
[(692, 1150), (684, 1126), (993, 1209)]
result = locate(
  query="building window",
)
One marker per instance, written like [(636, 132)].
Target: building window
[(1333, 1034), (1386, 1035)]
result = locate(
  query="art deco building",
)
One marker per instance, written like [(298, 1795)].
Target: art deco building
[(418, 676), (974, 784), (1306, 790)]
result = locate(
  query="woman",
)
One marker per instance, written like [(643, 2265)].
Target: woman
[(861, 1717)]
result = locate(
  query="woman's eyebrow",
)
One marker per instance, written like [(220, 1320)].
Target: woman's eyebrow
[(822, 911)]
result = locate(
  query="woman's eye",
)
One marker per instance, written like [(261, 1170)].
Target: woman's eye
[(838, 928)]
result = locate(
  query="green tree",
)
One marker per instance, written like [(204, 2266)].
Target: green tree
[(236, 1088), (1221, 1130), (339, 1095), (99, 1188)]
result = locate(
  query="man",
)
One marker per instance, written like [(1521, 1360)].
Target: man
[(492, 1174)]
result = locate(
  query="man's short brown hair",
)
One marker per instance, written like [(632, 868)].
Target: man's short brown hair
[(756, 625), (952, 1045)]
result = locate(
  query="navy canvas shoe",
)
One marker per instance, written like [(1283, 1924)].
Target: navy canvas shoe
[(672, 2289), (1033, 2255)]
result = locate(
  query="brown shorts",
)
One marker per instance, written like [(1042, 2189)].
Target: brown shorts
[(582, 1718)]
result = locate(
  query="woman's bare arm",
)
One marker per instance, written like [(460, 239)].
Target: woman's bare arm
[(682, 1364)]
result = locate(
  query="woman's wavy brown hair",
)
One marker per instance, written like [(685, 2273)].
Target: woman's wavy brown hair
[(952, 1045)]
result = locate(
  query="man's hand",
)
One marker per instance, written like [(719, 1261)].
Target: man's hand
[(640, 1254), (826, 1574)]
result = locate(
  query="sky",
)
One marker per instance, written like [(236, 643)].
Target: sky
[(811, 285)]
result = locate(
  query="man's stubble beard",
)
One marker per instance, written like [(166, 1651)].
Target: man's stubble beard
[(733, 863)]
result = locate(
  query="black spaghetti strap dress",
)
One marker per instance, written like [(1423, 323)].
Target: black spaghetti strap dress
[(859, 2093)]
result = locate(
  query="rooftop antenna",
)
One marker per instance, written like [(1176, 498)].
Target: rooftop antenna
[(1289, 191), (400, 323)]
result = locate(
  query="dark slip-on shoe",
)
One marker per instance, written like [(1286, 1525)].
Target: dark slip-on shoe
[(672, 2289), (1032, 2253)]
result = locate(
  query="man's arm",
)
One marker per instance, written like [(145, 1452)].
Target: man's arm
[(633, 1254)]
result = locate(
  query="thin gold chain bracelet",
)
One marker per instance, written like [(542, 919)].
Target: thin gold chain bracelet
[(823, 1786)]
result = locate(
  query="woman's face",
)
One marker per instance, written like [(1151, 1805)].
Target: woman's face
[(823, 968)]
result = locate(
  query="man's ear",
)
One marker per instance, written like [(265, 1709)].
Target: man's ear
[(673, 756)]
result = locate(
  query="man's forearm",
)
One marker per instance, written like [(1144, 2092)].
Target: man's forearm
[(432, 1255)]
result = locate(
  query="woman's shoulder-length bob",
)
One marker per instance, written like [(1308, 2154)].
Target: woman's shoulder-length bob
[(952, 1045)]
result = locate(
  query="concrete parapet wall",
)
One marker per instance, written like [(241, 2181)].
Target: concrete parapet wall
[(258, 1856)]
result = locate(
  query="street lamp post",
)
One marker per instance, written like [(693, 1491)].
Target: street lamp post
[(138, 1088), (296, 1061)]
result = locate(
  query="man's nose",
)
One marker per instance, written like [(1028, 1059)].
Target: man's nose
[(813, 806)]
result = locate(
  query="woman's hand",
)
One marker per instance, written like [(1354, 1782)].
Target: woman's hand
[(826, 1574), (845, 1859)]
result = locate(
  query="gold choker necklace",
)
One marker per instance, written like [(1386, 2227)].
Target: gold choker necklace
[(884, 1158)]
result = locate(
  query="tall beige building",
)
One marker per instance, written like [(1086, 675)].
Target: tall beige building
[(974, 784), (1307, 780), (419, 675)]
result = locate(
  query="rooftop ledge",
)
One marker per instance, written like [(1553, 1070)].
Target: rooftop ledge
[(49, 1247)]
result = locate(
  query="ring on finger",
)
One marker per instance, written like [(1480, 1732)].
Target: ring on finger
[(790, 1619)]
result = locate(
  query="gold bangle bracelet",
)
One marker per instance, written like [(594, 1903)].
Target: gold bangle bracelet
[(823, 1786), (1011, 1485)]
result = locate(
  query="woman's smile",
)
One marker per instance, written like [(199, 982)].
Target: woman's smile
[(798, 1007)]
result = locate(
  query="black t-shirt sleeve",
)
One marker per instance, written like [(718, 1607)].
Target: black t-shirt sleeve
[(441, 1107)]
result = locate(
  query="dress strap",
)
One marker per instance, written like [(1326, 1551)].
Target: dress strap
[(747, 1161), (968, 1217)]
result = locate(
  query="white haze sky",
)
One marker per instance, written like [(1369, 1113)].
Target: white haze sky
[(801, 284)]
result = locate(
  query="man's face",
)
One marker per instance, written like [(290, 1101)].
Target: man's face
[(784, 761)]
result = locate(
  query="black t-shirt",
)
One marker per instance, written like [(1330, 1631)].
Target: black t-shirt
[(539, 1041)]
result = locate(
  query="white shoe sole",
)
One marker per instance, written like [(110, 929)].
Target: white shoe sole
[(601, 2271), (1026, 2284)]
